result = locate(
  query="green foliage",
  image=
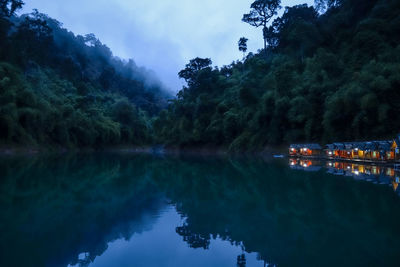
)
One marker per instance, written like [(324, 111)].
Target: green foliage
[(243, 45), (313, 85), (58, 89), (8, 7), (45, 109), (329, 75), (262, 11)]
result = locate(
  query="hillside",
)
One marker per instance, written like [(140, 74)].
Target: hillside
[(59, 89), (324, 76)]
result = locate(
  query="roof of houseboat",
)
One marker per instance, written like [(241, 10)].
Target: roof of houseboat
[(309, 146)]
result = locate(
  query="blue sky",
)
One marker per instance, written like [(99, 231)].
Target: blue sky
[(162, 35)]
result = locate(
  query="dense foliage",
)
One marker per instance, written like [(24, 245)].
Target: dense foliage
[(325, 76), (329, 73), (64, 90)]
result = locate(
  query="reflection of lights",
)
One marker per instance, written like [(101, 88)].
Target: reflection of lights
[(357, 172)]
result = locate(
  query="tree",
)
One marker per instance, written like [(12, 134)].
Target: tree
[(191, 70), (243, 45), (262, 11), (8, 7)]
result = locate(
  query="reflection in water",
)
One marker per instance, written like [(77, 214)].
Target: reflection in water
[(241, 260), (122, 210), (194, 240), (377, 174)]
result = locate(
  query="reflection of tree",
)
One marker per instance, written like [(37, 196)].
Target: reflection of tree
[(241, 260), (85, 261), (289, 218), (285, 216), (194, 240), (53, 208)]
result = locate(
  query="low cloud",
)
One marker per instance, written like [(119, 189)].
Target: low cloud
[(162, 35)]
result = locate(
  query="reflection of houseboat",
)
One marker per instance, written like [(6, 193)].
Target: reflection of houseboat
[(305, 165), (372, 173), (377, 174)]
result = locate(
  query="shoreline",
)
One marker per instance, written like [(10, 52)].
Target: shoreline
[(14, 150)]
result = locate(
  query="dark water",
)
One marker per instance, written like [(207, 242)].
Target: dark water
[(127, 210)]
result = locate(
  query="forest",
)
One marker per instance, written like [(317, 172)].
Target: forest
[(328, 72), (62, 90)]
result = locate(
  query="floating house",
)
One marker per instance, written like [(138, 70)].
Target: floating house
[(348, 150), (384, 151), (331, 151), (358, 150), (305, 150), (395, 148), (373, 150), (294, 150), (311, 150), (384, 148), (340, 150)]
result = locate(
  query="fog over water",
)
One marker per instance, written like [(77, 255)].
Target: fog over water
[(162, 35)]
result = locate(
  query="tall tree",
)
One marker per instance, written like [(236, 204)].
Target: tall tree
[(8, 7), (243, 45), (262, 11), (193, 68)]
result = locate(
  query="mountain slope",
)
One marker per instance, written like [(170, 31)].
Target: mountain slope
[(59, 89), (324, 77)]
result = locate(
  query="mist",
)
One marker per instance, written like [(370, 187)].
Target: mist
[(161, 35)]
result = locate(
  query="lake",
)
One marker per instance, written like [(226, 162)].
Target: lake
[(140, 210)]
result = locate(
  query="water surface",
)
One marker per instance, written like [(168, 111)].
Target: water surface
[(132, 210)]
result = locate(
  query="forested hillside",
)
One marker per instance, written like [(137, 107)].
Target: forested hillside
[(58, 89), (331, 74)]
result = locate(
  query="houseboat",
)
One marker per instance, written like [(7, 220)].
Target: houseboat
[(377, 151), (305, 150), (294, 150)]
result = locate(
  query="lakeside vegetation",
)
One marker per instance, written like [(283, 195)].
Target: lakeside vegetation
[(326, 74)]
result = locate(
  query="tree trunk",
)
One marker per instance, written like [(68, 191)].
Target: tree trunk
[(265, 45), (265, 32)]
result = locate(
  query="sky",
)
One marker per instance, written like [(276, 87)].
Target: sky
[(162, 35)]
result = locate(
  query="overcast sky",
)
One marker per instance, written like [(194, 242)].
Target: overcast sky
[(162, 35)]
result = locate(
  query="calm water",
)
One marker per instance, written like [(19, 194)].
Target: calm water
[(129, 210)]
